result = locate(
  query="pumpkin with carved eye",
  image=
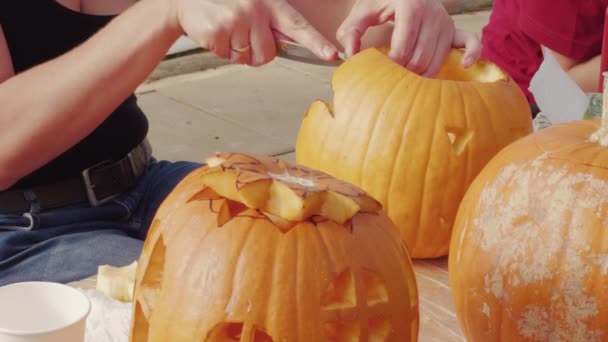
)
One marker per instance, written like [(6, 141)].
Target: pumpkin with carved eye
[(529, 254), (413, 143), (253, 249)]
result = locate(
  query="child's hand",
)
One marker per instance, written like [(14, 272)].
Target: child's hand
[(423, 35)]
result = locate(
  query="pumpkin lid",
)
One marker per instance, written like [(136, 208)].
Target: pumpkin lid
[(282, 191)]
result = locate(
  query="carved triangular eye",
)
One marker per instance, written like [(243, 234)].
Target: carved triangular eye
[(459, 138), (229, 210), (340, 293), (375, 288)]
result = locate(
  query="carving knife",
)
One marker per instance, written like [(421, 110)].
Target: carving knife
[(294, 51)]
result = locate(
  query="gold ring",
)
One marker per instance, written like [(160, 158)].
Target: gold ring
[(241, 50)]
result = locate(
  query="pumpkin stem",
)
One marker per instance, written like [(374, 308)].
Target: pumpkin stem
[(601, 135)]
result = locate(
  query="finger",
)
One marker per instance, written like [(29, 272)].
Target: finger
[(263, 46), (353, 28), (240, 46), (471, 45), (408, 18), (428, 39), (290, 22), (444, 44), (220, 44)]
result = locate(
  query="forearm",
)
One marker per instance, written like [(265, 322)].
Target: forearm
[(51, 107), (587, 74)]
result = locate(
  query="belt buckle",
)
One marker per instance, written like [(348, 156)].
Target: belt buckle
[(137, 160), (90, 187)]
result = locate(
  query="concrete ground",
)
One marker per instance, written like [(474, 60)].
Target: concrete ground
[(198, 105)]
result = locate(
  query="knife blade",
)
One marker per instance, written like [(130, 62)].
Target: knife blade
[(297, 52)]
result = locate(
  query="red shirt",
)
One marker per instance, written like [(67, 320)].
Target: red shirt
[(517, 29)]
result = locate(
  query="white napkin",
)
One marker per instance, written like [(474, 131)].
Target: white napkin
[(109, 319), (558, 97)]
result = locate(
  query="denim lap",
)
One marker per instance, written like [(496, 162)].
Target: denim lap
[(68, 244)]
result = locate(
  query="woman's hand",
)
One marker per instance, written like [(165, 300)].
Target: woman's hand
[(423, 35), (242, 30)]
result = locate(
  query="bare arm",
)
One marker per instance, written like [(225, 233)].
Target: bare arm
[(585, 73), (95, 78), (68, 97)]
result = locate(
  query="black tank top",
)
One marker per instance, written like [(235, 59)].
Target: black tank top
[(39, 30)]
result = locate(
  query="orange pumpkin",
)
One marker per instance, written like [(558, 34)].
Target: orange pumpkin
[(529, 254), (254, 249), (413, 143)]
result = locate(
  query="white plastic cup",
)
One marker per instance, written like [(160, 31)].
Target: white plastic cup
[(42, 312)]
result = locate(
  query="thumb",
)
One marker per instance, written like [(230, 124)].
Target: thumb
[(355, 25), (471, 45)]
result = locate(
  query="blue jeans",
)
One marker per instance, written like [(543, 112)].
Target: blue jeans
[(69, 243)]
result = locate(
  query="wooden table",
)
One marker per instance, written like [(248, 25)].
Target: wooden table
[(437, 318), (438, 321)]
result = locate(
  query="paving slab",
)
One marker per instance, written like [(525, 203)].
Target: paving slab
[(270, 100), (181, 132), (465, 6), (473, 22), (288, 157)]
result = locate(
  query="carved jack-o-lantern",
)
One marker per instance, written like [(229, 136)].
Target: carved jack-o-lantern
[(414, 143), (253, 249)]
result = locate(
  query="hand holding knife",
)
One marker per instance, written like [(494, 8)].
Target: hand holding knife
[(297, 52)]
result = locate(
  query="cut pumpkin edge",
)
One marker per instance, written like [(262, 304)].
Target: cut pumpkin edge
[(284, 198)]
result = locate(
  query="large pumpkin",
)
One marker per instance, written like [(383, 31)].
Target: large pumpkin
[(413, 143), (253, 249), (529, 254)]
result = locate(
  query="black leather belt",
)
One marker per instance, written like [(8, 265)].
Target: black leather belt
[(96, 185)]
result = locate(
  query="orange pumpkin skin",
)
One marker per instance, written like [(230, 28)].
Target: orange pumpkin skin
[(413, 143), (529, 254), (215, 270)]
